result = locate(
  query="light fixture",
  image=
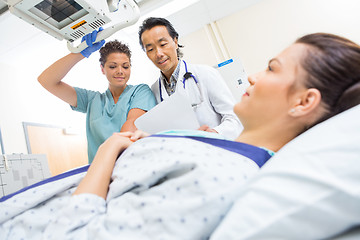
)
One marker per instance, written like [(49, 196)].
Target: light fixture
[(73, 19)]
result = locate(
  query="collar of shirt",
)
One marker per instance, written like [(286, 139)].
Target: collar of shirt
[(170, 87)]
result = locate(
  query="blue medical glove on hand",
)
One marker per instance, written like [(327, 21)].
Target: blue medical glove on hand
[(90, 38)]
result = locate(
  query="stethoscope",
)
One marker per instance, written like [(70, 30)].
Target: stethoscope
[(186, 76)]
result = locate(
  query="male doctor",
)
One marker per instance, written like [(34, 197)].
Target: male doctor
[(210, 98)]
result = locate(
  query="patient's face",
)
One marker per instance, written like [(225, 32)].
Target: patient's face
[(272, 92)]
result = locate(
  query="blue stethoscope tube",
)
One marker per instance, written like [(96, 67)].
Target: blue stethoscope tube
[(186, 76)]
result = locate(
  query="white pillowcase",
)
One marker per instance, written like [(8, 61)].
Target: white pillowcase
[(309, 190)]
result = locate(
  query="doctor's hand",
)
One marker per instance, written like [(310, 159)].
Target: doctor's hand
[(92, 47), (206, 128)]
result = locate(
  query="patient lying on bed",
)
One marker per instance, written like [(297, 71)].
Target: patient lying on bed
[(172, 187)]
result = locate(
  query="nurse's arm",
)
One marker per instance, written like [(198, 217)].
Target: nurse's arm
[(97, 178), (129, 125), (51, 78)]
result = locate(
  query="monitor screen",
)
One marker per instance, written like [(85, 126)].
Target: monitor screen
[(59, 13)]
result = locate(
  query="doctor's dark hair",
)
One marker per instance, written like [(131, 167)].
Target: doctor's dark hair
[(111, 47), (332, 64), (151, 22)]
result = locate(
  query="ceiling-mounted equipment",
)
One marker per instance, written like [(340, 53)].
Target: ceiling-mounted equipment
[(73, 19)]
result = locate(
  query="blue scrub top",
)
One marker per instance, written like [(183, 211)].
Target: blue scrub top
[(104, 117)]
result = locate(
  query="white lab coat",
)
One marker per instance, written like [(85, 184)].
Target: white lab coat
[(216, 109)]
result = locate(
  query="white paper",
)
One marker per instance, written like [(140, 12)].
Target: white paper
[(174, 112)]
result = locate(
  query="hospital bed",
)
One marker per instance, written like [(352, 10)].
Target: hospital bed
[(309, 190)]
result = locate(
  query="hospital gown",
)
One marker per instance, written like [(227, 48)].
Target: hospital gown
[(163, 187)]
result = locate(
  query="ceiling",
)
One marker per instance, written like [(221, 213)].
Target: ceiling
[(186, 15)]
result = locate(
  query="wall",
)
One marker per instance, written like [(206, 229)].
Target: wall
[(198, 48), (259, 32)]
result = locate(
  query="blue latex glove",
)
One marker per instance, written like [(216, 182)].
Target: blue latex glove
[(90, 38)]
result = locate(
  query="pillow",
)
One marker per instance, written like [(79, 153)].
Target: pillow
[(309, 190)]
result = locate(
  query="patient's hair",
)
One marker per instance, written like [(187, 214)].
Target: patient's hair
[(111, 47), (151, 22), (332, 64)]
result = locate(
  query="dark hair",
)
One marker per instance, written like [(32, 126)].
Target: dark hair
[(151, 22), (332, 64), (111, 47)]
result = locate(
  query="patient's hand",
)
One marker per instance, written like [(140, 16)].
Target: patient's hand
[(134, 136), (206, 128), (116, 143), (97, 178)]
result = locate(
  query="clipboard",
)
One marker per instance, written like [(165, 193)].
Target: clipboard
[(174, 112)]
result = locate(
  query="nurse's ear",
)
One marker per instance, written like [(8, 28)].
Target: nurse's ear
[(102, 69)]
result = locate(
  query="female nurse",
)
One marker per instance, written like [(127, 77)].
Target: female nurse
[(114, 110)]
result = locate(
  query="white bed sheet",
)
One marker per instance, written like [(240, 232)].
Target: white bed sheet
[(163, 188)]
